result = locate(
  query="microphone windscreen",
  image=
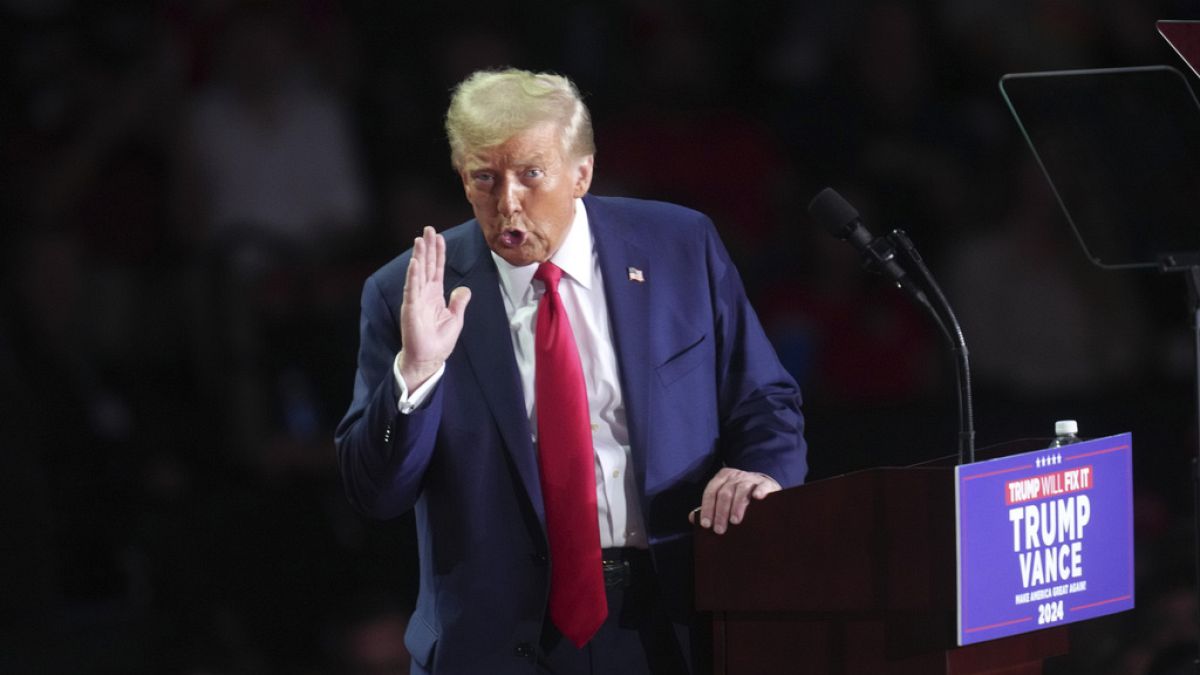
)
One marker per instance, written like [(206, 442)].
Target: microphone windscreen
[(831, 211)]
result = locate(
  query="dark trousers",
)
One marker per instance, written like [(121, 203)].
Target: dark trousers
[(637, 637)]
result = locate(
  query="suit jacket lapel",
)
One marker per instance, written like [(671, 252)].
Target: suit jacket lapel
[(487, 344), (629, 316)]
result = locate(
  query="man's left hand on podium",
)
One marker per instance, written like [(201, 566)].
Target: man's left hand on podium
[(727, 496)]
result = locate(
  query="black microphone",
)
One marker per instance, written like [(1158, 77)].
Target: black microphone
[(836, 214), (831, 211)]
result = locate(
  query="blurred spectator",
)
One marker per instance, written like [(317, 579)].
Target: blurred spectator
[(270, 189), (1041, 321), (270, 151), (853, 340), (682, 136), (73, 429)]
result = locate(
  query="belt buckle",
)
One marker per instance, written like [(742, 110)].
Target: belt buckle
[(617, 573)]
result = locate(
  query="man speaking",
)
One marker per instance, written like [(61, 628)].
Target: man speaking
[(554, 386)]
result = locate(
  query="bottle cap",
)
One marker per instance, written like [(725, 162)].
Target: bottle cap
[(1066, 428)]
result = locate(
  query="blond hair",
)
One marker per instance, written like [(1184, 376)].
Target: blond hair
[(492, 106)]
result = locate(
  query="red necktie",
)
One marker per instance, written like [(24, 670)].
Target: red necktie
[(565, 456)]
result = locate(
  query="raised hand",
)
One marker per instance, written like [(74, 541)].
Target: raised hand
[(429, 328)]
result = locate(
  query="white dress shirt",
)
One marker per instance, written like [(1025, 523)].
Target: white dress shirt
[(582, 291)]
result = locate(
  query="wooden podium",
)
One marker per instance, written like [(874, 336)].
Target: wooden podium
[(853, 574)]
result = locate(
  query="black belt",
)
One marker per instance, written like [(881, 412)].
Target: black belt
[(621, 565)]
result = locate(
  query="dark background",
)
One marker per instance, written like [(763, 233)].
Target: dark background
[(195, 191)]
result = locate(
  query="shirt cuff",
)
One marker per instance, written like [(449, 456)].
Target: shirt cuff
[(410, 402)]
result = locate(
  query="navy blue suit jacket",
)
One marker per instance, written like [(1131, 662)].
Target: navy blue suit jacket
[(702, 389)]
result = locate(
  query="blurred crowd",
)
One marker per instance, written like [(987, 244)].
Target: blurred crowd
[(196, 190)]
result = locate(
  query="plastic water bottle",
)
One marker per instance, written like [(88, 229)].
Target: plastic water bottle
[(1066, 432)]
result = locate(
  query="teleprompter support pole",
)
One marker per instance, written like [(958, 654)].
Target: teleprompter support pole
[(1189, 265)]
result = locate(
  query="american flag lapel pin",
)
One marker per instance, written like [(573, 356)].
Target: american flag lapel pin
[(636, 275)]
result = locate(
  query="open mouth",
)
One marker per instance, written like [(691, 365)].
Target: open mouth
[(513, 238)]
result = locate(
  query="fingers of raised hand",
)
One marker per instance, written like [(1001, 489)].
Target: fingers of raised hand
[(440, 261), (429, 239), (415, 277), (425, 271), (459, 298)]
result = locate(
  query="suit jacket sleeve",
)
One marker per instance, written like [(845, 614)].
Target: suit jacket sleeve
[(383, 454), (762, 428)]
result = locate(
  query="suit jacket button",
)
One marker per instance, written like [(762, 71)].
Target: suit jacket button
[(539, 558), (524, 650)]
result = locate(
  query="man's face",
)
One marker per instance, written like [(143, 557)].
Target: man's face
[(523, 192)]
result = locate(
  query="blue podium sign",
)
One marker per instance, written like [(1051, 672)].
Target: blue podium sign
[(1044, 538)]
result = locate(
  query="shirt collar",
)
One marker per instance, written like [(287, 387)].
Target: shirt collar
[(574, 257)]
